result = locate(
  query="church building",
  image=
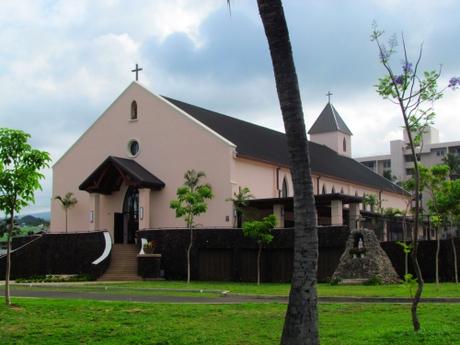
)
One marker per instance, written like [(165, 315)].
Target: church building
[(125, 169)]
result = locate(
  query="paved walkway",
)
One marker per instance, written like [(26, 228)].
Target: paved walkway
[(222, 299)]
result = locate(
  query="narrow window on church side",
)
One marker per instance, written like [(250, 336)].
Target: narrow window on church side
[(284, 190), (133, 110), (344, 145), (333, 190), (324, 189)]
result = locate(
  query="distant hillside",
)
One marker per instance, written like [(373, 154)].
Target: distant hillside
[(43, 215), (32, 220)]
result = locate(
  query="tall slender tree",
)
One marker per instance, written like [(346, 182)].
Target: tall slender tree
[(301, 321), (431, 180), (414, 93)]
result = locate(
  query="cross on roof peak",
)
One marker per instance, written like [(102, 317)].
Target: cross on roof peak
[(137, 70), (329, 94)]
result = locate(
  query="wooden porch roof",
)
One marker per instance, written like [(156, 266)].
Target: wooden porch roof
[(109, 176)]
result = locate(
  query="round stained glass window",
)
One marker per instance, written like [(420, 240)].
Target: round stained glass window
[(133, 147)]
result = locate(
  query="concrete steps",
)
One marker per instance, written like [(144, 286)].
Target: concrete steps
[(123, 264)]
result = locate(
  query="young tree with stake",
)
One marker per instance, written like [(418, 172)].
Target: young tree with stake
[(260, 230), (20, 176), (190, 203)]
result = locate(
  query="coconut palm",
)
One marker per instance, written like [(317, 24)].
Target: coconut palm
[(67, 202), (301, 321), (240, 201)]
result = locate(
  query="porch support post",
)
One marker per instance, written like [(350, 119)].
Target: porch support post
[(94, 215), (144, 208), (336, 212), (353, 215), (278, 211)]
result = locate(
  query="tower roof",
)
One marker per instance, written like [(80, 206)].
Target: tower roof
[(329, 121)]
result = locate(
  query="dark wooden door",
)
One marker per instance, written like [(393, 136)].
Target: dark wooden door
[(131, 210), (118, 222)]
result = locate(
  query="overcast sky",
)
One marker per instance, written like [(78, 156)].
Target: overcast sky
[(63, 62)]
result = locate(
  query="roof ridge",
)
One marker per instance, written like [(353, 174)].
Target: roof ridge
[(335, 116), (227, 116)]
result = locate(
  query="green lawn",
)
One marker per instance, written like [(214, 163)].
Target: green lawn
[(36, 321), (395, 290)]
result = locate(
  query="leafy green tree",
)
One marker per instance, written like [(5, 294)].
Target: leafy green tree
[(20, 176), (414, 93), (448, 203), (391, 212), (240, 201), (387, 174), (432, 180), (371, 201), (260, 230), (67, 202), (452, 160), (191, 202)]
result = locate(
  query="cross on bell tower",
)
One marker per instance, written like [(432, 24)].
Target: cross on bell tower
[(137, 70), (329, 94)]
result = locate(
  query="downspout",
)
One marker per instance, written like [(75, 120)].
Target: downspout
[(278, 181)]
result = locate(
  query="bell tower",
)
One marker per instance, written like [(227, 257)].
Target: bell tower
[(330, 130)]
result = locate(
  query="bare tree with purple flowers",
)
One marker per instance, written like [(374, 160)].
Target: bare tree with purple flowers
[(414, 93)]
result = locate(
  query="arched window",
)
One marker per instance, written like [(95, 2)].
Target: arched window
[(333, 190), (324, 189), (133, 110), (341, 190), (284, 190), (344, 145)]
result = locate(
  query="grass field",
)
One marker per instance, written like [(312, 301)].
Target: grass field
[(35, 321), (395, 290)]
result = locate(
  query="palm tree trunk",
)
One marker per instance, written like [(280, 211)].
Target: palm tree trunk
[(8, 260), (258, 263), (301, 322), (66, 220), (239, 219)]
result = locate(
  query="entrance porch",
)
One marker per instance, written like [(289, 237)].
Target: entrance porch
[(134, 212)]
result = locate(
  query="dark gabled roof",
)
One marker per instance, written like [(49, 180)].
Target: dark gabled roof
[(270, 146), (109, 176), (329, 121)]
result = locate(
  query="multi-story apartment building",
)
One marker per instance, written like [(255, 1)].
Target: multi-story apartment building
[(398, 163)]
